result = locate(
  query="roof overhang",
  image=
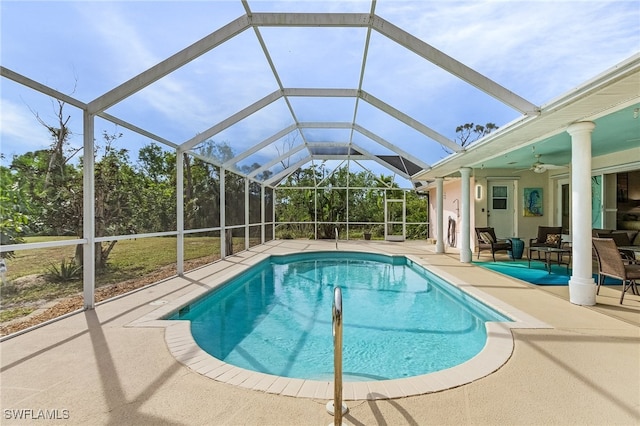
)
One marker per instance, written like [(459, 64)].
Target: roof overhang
[(608, 93)]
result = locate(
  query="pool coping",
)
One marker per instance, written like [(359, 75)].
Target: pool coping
[(181, 344)]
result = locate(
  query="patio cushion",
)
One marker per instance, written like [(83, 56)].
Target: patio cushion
[(552, 239), (486, 237)]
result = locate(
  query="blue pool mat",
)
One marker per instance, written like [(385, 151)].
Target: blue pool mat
[(537, 274)]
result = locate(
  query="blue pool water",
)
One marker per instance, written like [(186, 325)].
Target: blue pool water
[(399, 319)]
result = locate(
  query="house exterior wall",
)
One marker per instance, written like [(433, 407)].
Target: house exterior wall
[(608, 166), (451, 208), (524, 227)]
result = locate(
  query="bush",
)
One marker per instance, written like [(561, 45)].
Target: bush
[(67, 271)]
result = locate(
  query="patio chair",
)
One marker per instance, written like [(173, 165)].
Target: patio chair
[(487, 240), (548, 236), (611, 264), (621, 239)]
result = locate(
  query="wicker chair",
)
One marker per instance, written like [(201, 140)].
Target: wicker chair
[(487, 240), (621, 239), (544, 240), (611, 264)]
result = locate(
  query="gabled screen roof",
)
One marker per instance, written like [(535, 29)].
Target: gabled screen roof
[(290, 83)]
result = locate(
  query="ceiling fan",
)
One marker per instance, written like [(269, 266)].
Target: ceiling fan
[(540, 167)]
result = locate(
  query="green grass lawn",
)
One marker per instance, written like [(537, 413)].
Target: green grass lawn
[(28, 283), (129, 257)]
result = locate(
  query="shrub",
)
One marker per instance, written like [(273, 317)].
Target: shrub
[(67, 271)]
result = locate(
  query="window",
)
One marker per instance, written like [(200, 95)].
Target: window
[(499, 197)]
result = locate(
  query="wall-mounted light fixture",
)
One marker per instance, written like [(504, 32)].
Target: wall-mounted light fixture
[(478, 192)]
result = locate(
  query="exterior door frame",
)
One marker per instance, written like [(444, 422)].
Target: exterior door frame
[(515, 204), (559, 201), (389, 224)]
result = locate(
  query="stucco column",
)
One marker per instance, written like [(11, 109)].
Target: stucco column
[(439, 214), (465, 228), (582, 287)]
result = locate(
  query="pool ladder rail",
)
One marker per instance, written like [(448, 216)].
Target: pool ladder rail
[(336, 322), (336, 238)]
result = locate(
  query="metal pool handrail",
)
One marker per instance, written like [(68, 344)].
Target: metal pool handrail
[(336, 238), (337, 355)]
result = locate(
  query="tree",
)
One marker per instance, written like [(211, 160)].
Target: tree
[(470, 132), (202, 185), (329, 203), (155, 199), (60, 134), (14, 211), (115, 186)]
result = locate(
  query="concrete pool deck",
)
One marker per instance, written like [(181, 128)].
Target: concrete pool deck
[(95, 368)]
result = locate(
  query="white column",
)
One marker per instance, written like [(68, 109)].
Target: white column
[(465, 229), (180, 211), (582, 287), (439, 225), (89, 213)]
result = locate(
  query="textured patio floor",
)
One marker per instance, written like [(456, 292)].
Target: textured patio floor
[(94, 368)]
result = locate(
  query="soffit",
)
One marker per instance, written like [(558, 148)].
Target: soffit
[(609, 100)]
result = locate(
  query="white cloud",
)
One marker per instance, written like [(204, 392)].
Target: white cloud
[(540, 48), (19, 130), (120, 37), (173, 98)]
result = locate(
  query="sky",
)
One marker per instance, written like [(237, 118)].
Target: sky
[(536, 49)]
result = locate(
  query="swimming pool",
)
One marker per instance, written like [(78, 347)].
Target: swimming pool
[(400, 320)]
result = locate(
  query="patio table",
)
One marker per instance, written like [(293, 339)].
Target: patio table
[(547, 256), (630, 248), (634, 249)]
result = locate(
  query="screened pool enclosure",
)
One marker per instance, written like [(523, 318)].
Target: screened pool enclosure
[(286, 158), (234, 123)]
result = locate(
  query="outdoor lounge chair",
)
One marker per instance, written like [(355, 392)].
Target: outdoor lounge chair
[(548, 236), (487, 240), (611, 264)]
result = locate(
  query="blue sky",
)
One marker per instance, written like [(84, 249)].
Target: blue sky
[(537, 49)]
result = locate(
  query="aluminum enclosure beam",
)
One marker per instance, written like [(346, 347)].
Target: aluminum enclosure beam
[(136, 129), (169, 65), (282, 133), (310, 19), (324, 93), (325, 125), (286, 172), (276, 160), (338, 157), (39, 87), (409, 121), (230, 121), (379, 161), (453, 66), (390, 146), (354, 20), (88, 213), (329, 145)]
